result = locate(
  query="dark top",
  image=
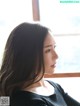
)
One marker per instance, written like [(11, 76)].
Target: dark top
[(59, 98)]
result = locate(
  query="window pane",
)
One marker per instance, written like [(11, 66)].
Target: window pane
[(64, 20), (61, 17), (12, 12), (68, 49)]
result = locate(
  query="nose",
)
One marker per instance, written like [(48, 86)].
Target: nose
[(55, 55)]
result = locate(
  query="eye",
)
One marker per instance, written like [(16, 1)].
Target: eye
[(48, 50), (54, 46)]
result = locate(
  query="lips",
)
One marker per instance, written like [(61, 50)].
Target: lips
[(54, 65)]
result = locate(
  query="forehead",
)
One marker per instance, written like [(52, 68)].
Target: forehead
[(49, 39)]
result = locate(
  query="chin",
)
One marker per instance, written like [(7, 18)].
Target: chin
[(50, 72)]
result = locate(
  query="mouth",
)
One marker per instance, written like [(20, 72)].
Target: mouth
[(54, 65)]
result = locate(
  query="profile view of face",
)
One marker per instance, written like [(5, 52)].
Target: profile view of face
[(49, 54)]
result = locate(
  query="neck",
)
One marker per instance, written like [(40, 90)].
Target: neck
[(40, 83)]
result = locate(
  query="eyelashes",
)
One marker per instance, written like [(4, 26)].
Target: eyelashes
[(54, 46), (48, 50)]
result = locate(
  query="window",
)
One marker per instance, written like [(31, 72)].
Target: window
[(64, 20)]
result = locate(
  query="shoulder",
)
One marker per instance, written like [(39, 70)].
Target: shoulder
[(68, 99), (18, 99), (23, 98)]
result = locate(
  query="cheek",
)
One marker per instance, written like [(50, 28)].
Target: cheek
[(47, 59)]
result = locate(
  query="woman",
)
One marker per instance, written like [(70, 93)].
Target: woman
[(29, 54)]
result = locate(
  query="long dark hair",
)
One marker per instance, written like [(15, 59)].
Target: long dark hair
[(23, 57)]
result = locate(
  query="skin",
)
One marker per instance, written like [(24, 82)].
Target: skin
[(50, 57)]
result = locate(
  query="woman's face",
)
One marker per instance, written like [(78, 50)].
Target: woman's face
[(49, 54)]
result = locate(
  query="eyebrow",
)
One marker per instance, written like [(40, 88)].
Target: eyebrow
[(47, 46)]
